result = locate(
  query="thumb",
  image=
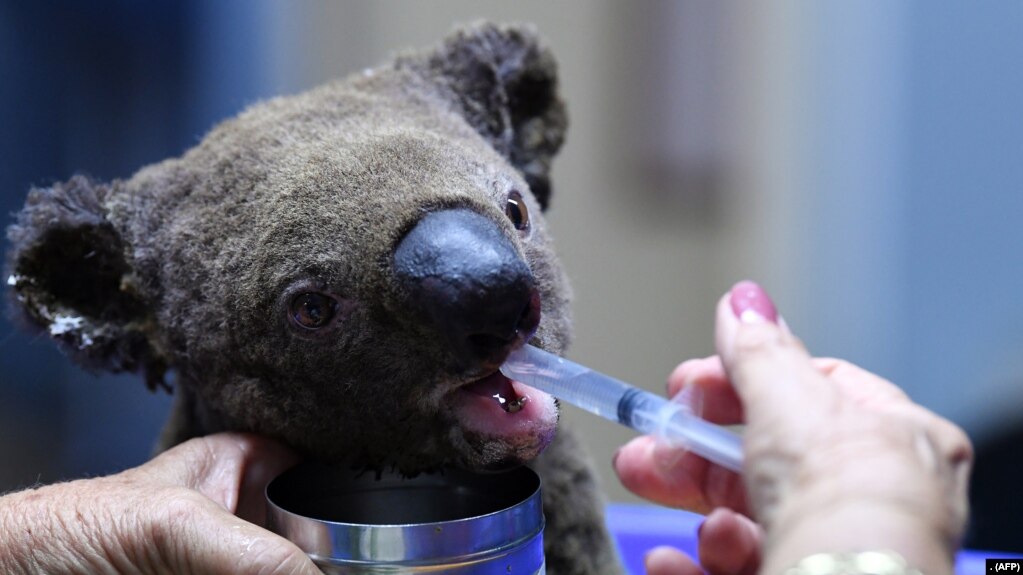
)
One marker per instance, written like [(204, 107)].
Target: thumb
[(769, 367), (205, 504), (231, 469)]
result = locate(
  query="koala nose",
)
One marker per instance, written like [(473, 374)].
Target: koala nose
[(466, 278)]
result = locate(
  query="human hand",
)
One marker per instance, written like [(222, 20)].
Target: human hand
[(837, 458), (193, 509)]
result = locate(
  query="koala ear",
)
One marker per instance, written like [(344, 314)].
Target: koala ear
[(505, 84), (71, 277)]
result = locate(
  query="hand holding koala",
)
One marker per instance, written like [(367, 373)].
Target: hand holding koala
[(192, 509)]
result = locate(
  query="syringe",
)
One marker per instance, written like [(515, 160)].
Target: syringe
[(630, 406)]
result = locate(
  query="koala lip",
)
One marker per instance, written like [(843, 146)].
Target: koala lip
[(524, 421)]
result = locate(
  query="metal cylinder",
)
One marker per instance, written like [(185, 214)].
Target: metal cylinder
[(454, 522)]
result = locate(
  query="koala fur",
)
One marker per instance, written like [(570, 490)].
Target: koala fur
[(192, 267)]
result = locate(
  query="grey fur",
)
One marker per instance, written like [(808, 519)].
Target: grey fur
[(188, 265)]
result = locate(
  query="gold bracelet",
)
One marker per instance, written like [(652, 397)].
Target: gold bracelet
[(862, 563)]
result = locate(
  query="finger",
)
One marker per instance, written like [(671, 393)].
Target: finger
[(676, 478), (942, 446), (232, 469), (730, 544), (867, 389), (721, 404), (195, 535), (767, 366), (863, 387), (669, 561), (264, 460), (640, 472), (952, 460), (689, 371), (951, 441)]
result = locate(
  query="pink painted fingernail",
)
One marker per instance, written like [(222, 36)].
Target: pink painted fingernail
[(751, 304)]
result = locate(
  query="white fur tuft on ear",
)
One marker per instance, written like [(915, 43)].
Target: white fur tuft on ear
[(71, 277)]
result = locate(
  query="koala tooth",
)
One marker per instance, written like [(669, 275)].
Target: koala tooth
[(515, 405)]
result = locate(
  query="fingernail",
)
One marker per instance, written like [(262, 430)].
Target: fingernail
[(699, 529), (751, 304), (614, 458)]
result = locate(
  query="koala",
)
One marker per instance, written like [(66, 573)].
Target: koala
[(343, 270)]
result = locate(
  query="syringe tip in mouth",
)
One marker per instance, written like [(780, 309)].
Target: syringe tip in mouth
[(628, 405)]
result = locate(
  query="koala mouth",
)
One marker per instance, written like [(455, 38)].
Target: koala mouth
[(500, 389), (495, 408)]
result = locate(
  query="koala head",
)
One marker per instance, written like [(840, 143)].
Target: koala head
[(344, 269)]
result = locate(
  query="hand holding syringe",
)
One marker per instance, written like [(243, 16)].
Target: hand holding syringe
[(630, 406)]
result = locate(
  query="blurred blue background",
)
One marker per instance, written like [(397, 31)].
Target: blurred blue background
[(862, 160)]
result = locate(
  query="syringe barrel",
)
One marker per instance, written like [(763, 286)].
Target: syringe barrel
[(642, 410), (569, 381), (712, 442), (677, 425)]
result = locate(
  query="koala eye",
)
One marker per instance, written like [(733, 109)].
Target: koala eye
[(313, 310), (516, 210)]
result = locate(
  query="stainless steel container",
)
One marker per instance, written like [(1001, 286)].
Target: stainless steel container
[(453, 522)]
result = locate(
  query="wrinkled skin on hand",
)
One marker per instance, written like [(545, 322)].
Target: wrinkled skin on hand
[(193, 509)]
